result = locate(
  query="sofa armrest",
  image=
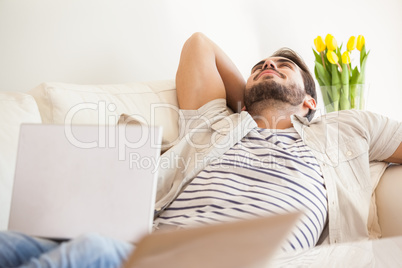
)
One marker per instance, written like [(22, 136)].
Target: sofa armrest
[(15, 108), (389, 201)]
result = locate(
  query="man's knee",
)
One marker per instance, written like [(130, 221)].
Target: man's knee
[(91, 238), (108, 246)]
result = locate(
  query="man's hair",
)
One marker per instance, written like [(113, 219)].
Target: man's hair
[(309, 84)]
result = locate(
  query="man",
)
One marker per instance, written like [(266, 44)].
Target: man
[(267, 159), (259, 166)]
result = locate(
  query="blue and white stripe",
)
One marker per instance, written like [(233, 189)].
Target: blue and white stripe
[(268, 172)]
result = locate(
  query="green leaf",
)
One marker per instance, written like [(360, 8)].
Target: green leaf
[(320, 82), (328, 64), (323, 74), (317, 56), (355, 76), (338, 53), (362, 70), (362, 54)]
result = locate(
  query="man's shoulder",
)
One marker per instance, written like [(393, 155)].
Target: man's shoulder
[(349, 121), (354, 119), (347, 116)]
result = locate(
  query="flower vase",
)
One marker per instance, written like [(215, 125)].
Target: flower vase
[(344, 97)]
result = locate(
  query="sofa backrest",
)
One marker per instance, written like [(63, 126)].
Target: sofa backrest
[(153, 103)]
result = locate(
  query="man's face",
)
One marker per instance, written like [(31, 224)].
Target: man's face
[(275, 78)]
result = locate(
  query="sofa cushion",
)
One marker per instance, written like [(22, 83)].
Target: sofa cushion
[(152, 102), (15, 108)]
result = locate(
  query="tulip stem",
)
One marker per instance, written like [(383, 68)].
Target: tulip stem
[(323, 62), (339, 66)]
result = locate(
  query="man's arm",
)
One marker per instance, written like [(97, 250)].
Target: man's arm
[(206, 73), (396, 157)]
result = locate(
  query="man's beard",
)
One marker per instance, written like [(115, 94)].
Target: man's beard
[(271, 92)]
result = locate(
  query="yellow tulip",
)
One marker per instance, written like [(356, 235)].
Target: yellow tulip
[(360, 42), (332, 57), (346, 57), (331, 42), (319, 44), (351, 43)]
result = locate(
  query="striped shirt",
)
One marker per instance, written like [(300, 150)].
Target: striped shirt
[(268, 172)]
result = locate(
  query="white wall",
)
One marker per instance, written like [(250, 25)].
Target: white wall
[(116, 41)]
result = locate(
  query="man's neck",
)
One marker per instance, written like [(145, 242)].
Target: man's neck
[(273, 122), (274, 117)]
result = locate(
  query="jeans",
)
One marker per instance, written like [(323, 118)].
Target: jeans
[(91, 250)]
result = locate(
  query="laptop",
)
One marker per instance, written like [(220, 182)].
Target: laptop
[(71, 180), (241, 244)]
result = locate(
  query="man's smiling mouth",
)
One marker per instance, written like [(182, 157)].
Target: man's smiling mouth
[(270, 71)]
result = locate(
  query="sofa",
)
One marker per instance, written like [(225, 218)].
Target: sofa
[(154, 103)]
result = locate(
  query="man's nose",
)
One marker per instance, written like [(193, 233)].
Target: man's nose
[(269, 64)]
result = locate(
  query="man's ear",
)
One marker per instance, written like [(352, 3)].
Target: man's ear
[(310, 103)]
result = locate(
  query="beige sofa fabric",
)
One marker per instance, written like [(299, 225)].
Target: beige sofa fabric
[(389, 201), (153, 103), (15, 108)]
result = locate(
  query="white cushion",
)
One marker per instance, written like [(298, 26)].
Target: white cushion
[(15, 108), (152, 102)]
